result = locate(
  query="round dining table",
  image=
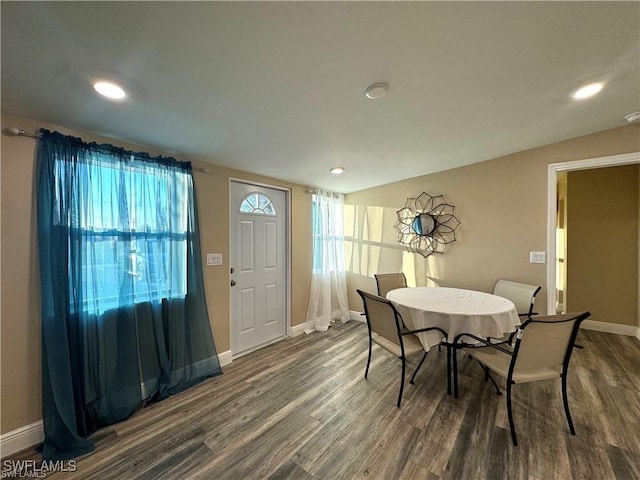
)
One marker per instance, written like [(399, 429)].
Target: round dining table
[(455, 311)]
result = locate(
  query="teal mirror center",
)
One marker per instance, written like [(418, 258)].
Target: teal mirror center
[(423, 224)]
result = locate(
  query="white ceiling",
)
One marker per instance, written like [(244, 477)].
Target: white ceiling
[(277, 88)]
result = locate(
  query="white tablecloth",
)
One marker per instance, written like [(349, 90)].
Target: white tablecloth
[(455, 311)]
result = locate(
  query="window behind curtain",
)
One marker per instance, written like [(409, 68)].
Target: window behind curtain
[(131, 223), (316, 226), (327, 223), (124, 312), (328, 294)]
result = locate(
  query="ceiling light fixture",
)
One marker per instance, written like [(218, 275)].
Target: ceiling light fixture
[(109, 90), (633, 117), (587, 91), (377, 90), (337, 170)]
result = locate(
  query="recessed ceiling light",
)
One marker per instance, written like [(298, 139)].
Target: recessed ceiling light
[(377, 90), (337, 170), (587, 91), (109, 90)]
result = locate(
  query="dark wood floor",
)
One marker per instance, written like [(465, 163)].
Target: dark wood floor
[(301, 409)]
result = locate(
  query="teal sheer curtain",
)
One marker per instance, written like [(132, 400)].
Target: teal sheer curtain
[(124, 314)]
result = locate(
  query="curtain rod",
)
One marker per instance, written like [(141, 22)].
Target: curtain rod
[(16, 132), (315, 191)]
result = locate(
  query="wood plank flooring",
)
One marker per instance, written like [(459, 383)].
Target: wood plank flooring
[(301, 409)]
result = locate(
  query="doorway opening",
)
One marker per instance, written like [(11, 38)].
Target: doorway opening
[(556, 228)]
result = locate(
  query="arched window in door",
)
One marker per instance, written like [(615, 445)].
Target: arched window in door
[(258, 204)]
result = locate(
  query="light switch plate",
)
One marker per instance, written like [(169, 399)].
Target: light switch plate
[(214, 259), (537, 257)]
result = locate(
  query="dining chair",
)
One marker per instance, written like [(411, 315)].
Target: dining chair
[(542, 351), (389, 281), (387, 330), (521, 294)]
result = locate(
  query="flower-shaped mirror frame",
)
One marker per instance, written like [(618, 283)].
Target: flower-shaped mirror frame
[(426, 224)]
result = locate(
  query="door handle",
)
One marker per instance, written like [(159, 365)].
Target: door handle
[(233, 283)]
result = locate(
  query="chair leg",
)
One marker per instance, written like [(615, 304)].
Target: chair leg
[(487, 376), (449, 369), (565, 400), (366, 372), (413, 377), (498, 392), (404, 368), (454, 354), (510, 415)]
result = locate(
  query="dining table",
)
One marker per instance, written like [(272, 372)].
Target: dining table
[(456, 311)]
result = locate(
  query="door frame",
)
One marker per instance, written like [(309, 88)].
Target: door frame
[(552, 194), (288, 267)]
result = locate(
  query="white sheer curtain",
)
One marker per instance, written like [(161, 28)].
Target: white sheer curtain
[(328, 298)]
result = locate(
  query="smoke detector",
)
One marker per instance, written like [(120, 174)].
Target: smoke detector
[(633, 117), (377, 90)]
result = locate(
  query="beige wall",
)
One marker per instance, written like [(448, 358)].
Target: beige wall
[(20, 329), (502, 204), (602, 243)]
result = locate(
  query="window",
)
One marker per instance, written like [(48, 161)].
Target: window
[(117, 236), (128, 228), (327, 224), (257, 204)]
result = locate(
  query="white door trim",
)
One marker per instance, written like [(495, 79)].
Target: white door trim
[(552, 178), (287, 193)]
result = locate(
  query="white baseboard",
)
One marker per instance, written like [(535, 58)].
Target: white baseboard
[(296, 330), (31, 435), (21, 439), (616, 328), (225, 358), (357, 316)]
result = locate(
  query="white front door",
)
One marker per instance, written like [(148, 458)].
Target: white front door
[(258, 262)]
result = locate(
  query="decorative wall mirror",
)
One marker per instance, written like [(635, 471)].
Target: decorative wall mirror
[(426, 224), (423, 224)]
